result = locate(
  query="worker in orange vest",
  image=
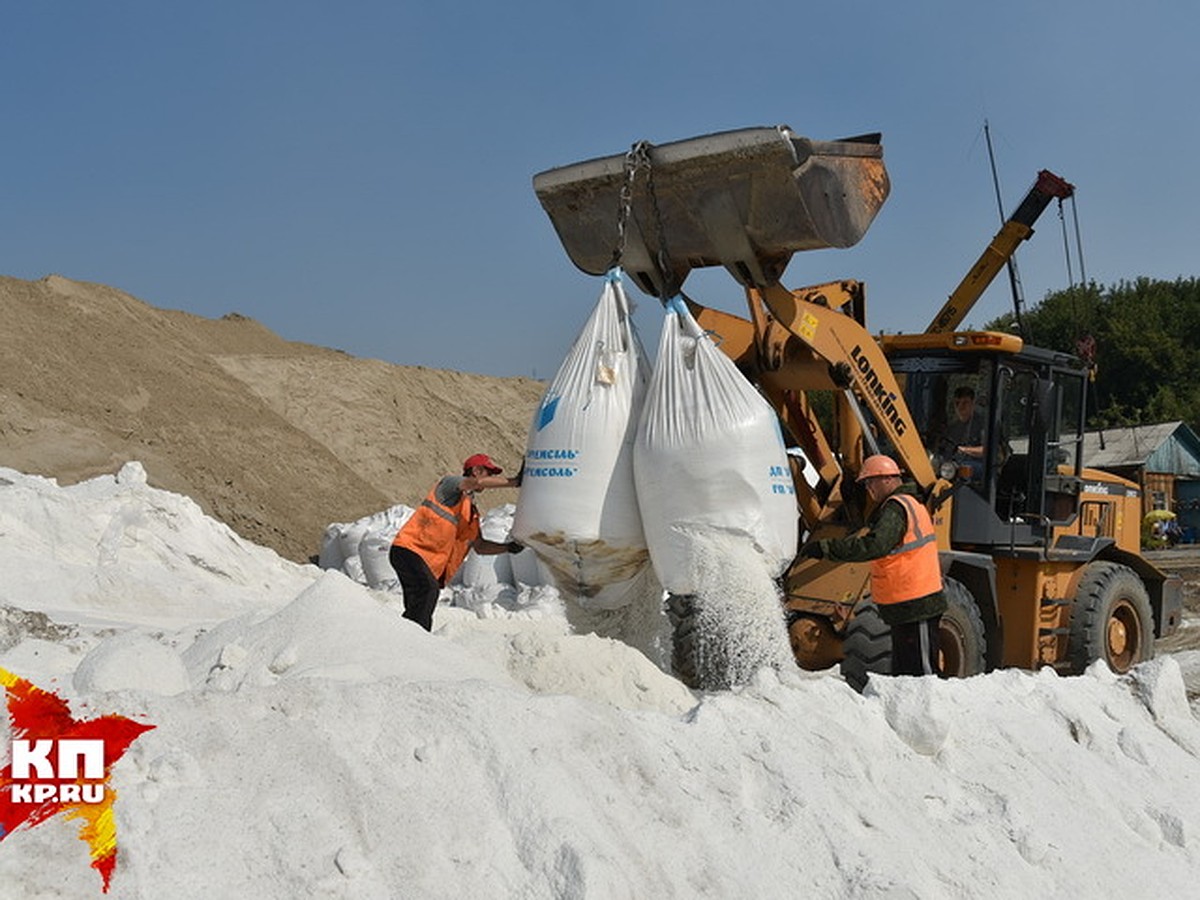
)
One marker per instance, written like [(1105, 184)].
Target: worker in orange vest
[(435, 540), (906, 577)]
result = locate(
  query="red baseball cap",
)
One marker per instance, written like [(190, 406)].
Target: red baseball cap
[(481, 459)]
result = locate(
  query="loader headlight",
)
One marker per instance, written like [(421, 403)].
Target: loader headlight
[(947, 470)]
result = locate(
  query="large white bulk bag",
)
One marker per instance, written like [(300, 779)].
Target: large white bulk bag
[(709, 459), (578, 507)]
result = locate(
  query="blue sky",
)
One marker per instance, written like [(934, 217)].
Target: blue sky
[(358, 174)]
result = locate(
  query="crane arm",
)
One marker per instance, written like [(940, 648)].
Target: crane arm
[(997, 254)]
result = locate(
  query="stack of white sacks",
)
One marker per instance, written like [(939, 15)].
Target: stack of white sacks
[(360, 550)]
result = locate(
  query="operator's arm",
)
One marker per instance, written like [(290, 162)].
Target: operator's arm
[(471, 483), (484, 547), (450, 489), (972, 443), (882, 537)]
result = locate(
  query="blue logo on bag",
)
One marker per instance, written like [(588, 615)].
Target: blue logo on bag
[(553, 463), (546, 413), (782, 474)]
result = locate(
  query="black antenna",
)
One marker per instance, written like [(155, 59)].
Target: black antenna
[(1067, 255), (1078, 240), (1014, 279)]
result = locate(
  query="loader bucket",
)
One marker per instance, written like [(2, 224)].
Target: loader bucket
[(746, 200)]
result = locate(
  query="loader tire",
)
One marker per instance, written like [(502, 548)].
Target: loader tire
[(699, 655), (962, 641), (867, 646), (1111, 620), (685, 649)]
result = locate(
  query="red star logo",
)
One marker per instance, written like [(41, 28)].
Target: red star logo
[(40, 717)]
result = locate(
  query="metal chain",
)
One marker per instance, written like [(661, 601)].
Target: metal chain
[(638, 158), (664, 257)]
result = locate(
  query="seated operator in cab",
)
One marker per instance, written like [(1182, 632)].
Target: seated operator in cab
[(965, 433)]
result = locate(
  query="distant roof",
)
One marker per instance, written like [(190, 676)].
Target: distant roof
[(1170, 447)]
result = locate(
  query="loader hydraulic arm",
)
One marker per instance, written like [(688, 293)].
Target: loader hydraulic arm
[(849, 354), (856, 361), (1018, 228)]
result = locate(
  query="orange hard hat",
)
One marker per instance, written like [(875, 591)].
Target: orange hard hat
[(874, 466), (481, 459)]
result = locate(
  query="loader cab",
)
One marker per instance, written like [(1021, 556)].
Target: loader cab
[(1017, 463)]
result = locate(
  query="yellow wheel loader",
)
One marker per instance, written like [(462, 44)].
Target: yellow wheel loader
[(1040, 556)]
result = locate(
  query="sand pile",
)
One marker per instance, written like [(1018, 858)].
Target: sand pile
[(275, 438)]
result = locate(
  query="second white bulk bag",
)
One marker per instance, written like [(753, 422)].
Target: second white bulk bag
[(709, 459), (578, 508)]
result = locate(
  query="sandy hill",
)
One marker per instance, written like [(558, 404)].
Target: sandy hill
[(276, 438)]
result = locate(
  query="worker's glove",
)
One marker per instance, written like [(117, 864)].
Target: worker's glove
[(515, 546), (812, 550), (520, 476)]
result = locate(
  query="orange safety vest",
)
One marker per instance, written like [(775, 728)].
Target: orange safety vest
[(911, 570), (441, 535)]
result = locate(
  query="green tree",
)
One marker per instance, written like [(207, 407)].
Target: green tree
[(1146, 335)]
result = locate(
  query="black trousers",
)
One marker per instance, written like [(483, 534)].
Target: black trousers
[(420, 588), (915, 648)]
